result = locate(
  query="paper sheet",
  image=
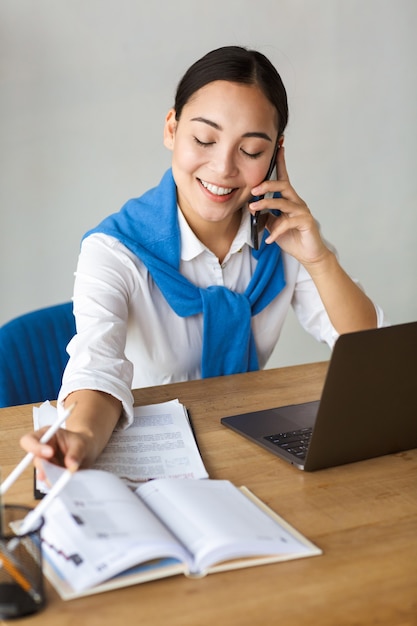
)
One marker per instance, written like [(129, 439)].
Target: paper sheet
[(158, 444)]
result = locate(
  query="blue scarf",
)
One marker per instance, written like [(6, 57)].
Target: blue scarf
[(148, 227)]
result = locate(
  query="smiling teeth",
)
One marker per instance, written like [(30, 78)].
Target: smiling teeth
[(217, 191)]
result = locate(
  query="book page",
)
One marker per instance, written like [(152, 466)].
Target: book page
[(158, 444), (99, 534), (97, 528), (216, 521)]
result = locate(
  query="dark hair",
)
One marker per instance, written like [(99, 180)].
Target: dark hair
[(238, 65)]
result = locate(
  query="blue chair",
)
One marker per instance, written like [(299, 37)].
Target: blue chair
[(33, 354)]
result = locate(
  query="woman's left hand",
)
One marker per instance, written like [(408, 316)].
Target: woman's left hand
[(295, 230), (297, 233)]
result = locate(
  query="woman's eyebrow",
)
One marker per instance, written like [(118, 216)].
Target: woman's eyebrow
[(204, 120)]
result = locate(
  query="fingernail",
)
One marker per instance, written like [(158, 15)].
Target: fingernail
[(72, 465)]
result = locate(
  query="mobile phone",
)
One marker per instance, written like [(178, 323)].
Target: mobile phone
[(255, 218)]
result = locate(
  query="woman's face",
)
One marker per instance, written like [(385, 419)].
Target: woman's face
[(222, 147)]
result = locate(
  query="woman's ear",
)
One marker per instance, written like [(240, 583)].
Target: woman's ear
[(169, 129)]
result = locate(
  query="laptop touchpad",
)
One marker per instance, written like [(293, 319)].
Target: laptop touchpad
[(300, 415)]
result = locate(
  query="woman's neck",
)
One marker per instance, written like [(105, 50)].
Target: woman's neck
[(216, 236)]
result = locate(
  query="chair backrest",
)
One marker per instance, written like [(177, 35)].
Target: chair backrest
[(33, 354)]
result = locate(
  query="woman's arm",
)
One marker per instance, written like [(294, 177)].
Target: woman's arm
[(347, 306), (297, 233), (98, 375), (87, 431)]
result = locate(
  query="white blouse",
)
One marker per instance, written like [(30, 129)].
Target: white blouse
[(129, 337)]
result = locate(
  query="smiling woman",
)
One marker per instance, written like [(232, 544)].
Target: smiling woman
[(218, 157), (171, 287)]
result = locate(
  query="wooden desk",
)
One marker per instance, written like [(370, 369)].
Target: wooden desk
[(364, 517)]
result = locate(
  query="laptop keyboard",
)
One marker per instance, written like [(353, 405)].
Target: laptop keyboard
[(295, 442)]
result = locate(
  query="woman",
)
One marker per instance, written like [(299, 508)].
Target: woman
[(172, 287)]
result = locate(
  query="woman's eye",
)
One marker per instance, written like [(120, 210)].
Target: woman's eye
[(252, 155), (203, 143)]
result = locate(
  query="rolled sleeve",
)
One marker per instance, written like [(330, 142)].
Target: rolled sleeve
[(97, 352)]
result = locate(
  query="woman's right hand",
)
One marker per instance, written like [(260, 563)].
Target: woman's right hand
[(66, 448), (87, 432)]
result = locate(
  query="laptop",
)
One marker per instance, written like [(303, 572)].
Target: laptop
[(368, 406)]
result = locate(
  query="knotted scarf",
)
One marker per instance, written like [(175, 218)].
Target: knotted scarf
[(148, 227)]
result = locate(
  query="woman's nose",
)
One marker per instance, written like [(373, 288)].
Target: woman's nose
[(224, 163)]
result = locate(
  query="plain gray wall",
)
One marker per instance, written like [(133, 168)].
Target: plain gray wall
[(85, 86)]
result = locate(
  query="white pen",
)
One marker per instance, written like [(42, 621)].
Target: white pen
[(14, 474), (31, 518)]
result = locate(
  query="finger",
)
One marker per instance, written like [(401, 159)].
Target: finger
[(31, 443), (40, 472), (296, 224), (290, 204), (273, 186), (72, 463), (74, 452), (266, 204)]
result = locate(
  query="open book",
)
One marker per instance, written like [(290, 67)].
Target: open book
[(100, 535)]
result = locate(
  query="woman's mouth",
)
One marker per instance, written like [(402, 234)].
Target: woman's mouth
[(215, 189)]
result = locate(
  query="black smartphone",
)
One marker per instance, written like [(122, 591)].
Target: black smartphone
[(256, 216)]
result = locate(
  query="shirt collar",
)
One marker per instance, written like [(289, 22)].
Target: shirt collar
[(191, 246)]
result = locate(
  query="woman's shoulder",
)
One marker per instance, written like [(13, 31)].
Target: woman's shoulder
[(108, 250)]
